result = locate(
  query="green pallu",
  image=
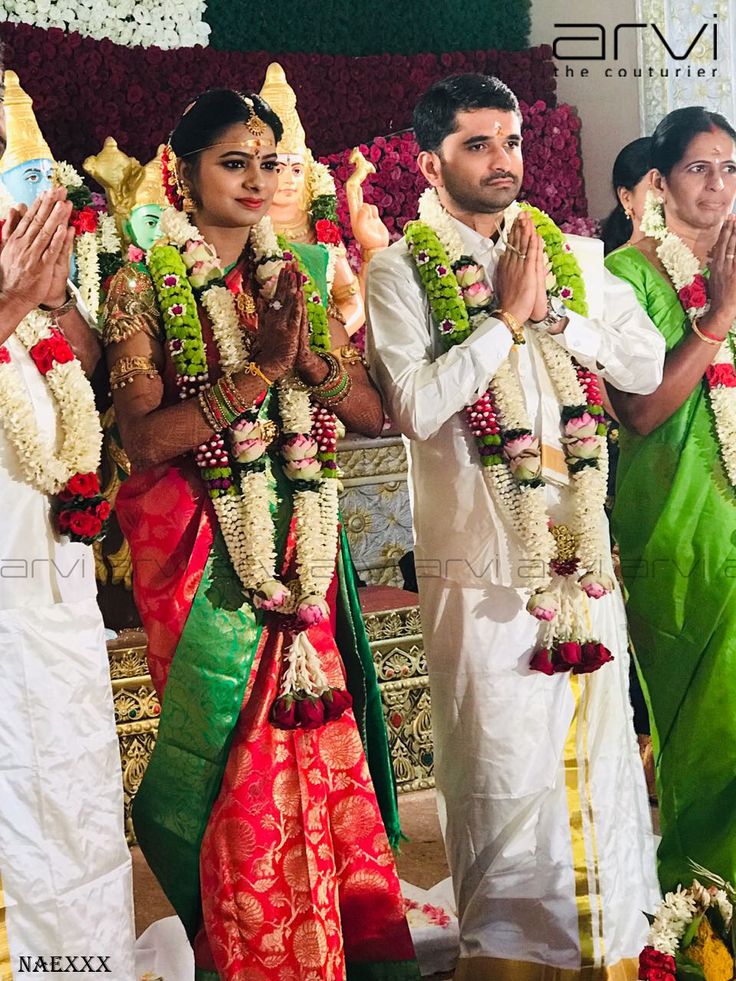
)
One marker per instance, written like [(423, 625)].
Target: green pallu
[(362, 681), (675, 522), (202, 702)]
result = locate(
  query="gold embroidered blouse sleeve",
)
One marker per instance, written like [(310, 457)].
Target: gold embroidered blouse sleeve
[(131, 307)]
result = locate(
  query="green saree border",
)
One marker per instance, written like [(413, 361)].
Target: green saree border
[(202, 702)]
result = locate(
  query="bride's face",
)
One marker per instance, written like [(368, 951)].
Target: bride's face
[(235, 180)]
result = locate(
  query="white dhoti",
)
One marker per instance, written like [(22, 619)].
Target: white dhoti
[(542, 797), (541, 790), (65, 870)]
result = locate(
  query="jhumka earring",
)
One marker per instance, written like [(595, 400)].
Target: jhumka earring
[(187, 203)]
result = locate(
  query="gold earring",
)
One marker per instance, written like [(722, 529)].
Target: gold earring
[(187, 203), (627, 213)]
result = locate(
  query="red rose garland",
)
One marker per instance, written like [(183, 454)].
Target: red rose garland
[(80, 510)]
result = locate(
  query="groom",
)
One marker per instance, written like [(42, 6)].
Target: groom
[(540, 789)]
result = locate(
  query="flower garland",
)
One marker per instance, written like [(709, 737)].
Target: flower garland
[(322, 195), (85, 220), (691, 286), (689, 935), (234, 465), (68, 475), (460, 299)]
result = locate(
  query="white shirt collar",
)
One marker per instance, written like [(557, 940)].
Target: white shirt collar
[(481, 248)]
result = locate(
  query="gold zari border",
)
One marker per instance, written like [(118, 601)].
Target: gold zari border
[(6, 972), (495, 969)]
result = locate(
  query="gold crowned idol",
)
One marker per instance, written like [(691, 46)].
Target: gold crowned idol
[(282, 98), (24, 138), (128, 184)]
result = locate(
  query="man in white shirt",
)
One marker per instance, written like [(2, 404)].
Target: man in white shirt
[(66, 890), (540, 788)]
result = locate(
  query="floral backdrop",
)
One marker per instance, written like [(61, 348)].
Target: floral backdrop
[(85, 89)]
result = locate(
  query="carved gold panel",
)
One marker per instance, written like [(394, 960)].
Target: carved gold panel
[(396, 642)]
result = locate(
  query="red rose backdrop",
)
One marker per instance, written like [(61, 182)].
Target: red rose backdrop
[(84, 90)]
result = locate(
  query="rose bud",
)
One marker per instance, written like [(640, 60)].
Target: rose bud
[(283, 713), (569, 652), (310, 713), (542, 661)]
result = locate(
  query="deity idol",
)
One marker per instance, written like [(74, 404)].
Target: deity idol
[(27, 166), (304, 207), (134, 192)]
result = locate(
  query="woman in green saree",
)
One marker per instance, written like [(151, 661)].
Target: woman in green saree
[(675, 512)]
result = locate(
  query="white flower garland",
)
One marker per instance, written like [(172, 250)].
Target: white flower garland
[(88, 271), (246, 519), (219, 303), (43, 467), (128, 22), (524, 507), (677, 911), (108, 238), (682, 266)]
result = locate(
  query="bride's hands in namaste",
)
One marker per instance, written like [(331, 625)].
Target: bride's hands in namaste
[(517, 280), (279, 326), (722, 282), (309, 366)]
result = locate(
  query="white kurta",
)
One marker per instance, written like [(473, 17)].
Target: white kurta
[(65, 871), (541, 792)]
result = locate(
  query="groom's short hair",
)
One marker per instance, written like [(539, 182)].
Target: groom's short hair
[(434, 114)]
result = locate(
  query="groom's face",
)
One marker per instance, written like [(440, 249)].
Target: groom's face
[(480, 167)]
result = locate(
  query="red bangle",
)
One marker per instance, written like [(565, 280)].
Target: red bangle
[(707, 333)]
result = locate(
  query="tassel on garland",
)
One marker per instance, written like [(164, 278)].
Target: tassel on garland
[(566, 644), (306, 700)]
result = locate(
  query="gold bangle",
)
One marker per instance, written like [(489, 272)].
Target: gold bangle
[(517, 329), (708, 340), (252, 369), (341, 293), (367, 254)]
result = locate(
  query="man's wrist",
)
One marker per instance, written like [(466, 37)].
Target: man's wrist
[(67, 304), (13, 309)]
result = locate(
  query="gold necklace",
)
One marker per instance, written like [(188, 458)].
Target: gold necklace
[(300, 231)]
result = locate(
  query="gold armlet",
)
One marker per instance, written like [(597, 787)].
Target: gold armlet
[(349, 354), (124, 370), (341, 293)]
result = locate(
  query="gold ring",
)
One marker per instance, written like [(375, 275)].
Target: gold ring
[(521, 255), (731, 255)]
